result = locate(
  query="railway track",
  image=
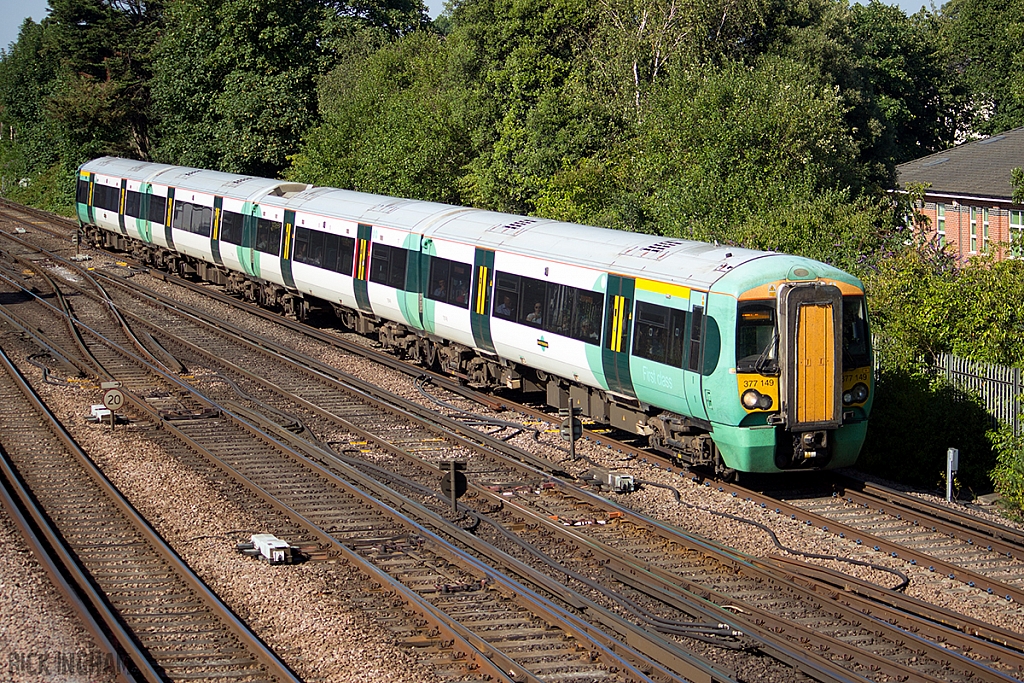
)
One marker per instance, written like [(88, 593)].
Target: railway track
[(949, 540), (387, 430), (176, 628), (526, 517), (362, 530)]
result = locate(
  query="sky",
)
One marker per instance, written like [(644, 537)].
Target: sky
[(14, 12)]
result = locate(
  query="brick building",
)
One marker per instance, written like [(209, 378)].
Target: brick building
[(968, 201)]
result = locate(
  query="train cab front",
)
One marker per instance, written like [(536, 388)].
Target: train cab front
[(804, 365)]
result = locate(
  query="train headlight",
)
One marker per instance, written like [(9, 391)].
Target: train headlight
[(858, 394), (752, 399)]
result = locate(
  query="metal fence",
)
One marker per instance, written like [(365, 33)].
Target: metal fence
[(998, 386)]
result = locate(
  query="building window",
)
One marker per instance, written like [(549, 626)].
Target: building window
[(1017, 234), (974, 230), (984, 230), (940, 224)]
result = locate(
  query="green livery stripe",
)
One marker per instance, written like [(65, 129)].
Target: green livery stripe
[(479, 312), (143, 224), (409, 299), (247, 255)]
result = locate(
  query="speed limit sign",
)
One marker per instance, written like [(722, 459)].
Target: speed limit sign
[(113, 399)]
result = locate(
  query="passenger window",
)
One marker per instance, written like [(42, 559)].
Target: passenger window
[(532, 312), (449, 282), (506, 296), (387, 265), (658, 334), (650, 339), (230, 226), (158, 210), (268, 236), (133, 204), (347, 246), (106, 197), (192, 218)]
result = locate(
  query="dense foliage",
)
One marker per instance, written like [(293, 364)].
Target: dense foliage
[(775, 124)]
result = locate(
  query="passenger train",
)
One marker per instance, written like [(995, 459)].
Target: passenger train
[(740, 360)]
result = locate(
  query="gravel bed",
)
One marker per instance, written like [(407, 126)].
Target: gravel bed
[(304, 612), (696, 514), (41, 637)]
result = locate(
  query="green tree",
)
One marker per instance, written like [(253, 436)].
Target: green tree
[(26, 76), (982, 43), (392, 124), (757, 156), (234, 87), (101, 96)]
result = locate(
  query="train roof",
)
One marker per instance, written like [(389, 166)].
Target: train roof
[(686, 262), (689, 262), (209, 182)]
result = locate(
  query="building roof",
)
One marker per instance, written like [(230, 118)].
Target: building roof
[(975, 169)]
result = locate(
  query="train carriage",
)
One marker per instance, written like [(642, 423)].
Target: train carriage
[(738, 359)]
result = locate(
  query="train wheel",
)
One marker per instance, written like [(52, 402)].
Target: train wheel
[(721, 470), (424, 353)]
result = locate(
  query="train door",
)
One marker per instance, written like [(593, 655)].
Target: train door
[(811, 352), (361, 270), (286, 249), (693, 376), (618, 323), (480, 299), (168, 212), (120, 206), (218, 210)]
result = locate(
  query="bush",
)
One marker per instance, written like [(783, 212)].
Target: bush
[(916, 417), (1008, 475)]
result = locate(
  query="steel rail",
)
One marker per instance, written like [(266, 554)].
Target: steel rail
[(56, 560), (267, 658)]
